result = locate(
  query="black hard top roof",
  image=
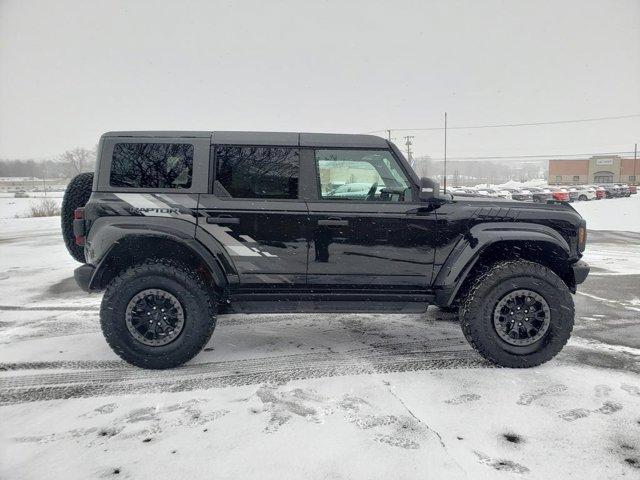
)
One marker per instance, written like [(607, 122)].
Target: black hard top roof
[(268, 138)]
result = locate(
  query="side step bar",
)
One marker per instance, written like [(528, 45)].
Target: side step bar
[(323, 302)]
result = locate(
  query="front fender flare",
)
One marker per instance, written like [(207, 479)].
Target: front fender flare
[(467, 251)]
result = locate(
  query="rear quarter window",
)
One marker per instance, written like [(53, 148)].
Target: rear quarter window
[(152, 165)]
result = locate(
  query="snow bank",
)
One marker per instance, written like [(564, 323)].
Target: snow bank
[(621, 214)]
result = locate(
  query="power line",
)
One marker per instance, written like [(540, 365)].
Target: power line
[(470, 127), (551, 155)]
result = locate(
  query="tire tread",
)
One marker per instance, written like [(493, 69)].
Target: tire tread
[(498, 272), (184, 275), (75, 196)]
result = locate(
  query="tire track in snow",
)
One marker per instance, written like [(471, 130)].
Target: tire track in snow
[(89, 379), (46, 308), (619, 303)]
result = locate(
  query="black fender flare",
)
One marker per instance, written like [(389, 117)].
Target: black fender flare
[(467, 251), (109, 236)]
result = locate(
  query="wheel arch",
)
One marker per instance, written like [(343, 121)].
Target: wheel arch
[(136, 247), (485, 244)]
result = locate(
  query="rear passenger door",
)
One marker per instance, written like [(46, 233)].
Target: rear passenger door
[(253, 209)]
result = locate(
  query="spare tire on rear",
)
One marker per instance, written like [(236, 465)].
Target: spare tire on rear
[(76, 195)]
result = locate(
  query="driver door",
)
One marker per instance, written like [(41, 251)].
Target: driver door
[(365, 233)]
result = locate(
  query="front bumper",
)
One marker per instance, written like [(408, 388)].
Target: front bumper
[(580, 271), (83, 275)]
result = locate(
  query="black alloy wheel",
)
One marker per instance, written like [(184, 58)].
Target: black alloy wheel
[(154, 317), (521, 317)]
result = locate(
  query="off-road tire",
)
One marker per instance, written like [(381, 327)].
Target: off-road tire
[(75, 196), (197, 300), (476, 313)]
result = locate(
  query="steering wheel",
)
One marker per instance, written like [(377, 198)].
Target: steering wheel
[(371, 195)]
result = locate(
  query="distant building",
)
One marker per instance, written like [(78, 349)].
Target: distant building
[(598, 169)]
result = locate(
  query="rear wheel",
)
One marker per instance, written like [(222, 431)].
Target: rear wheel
[(159, 314), (75, 196), (518, 314), (582, 198)]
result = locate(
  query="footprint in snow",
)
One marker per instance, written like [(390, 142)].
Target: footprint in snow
[(501, 464), (574, 414), (101, 410), (631, 389), (466, 398), (609, 407), (602, 390), (284, 405), (402, 431), (530, 397)]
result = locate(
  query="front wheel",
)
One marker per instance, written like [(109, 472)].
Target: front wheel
[(518, 314), (158, 314), (582, 198)]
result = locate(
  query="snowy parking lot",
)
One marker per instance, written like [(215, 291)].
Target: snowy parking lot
[(323, 396)]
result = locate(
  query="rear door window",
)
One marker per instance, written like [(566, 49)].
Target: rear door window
[(152, 165), (257, 172)]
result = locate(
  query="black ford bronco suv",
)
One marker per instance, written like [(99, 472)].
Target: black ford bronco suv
[(180, 226)]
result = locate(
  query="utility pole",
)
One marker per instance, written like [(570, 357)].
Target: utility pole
[(445, 152), (44, 176), (409, 152), (635, 159)]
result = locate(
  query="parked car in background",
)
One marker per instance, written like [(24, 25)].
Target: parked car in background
[(600, 192), (504, 193), (462, 192), (465, 190), (633, 189), (587, 192), (573, 194), (355, 191), (521, 195), (487, 192), (560, 194), (610, 190), (582, 193), (625, 191), (21, 194), (540, 195), (492, 192)]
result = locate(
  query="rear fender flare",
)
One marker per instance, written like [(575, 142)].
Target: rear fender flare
[(110, 236)]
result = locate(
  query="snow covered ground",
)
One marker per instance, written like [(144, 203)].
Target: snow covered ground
[(11, 207), (316, 396)]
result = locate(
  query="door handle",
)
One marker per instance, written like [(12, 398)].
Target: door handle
[(420, 211), (223, 220), (334, 222)]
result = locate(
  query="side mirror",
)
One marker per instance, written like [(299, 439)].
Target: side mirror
[(428, 188)]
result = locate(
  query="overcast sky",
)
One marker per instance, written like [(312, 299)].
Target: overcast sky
[(71, 70)]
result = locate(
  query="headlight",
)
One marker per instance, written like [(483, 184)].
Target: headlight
[(582, 236)]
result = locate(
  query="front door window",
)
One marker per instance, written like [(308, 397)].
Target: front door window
[(361, 175)]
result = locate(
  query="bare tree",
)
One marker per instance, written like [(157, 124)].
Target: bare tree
[(78, 160)]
